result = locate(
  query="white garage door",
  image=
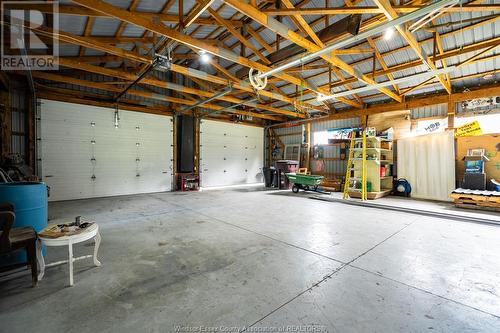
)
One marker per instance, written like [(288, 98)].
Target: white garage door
[(84, 155), (231, 154)]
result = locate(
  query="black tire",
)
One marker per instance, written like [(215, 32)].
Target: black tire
[(295, 189)]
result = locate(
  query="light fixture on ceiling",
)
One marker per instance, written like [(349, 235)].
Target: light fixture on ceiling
[(389, 33), (205, 57)]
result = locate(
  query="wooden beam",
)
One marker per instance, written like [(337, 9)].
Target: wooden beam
[(88, 42), (310, 32), (87, 32), (372, 10), (413, 103), (381, 18), (391, 14), (259, 39), (282, 30), (200, 7), (91, 43), (237, 35), (123, 40), (303, 24), (185, 39), (451, 114), (382, 63), (82, 11), (447, 54), (64, 97), (168, 85), (143, 94), (123, 25), (96, 59)]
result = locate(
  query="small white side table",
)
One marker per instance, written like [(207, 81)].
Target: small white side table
[(89, 233)]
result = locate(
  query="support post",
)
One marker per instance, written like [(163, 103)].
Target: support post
[(197, 132), (174, 152), (309, 147), (451, 114)]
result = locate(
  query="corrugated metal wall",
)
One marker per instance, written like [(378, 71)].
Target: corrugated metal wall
[(334, 168), (293, 135), (19, 110), (430, 111)]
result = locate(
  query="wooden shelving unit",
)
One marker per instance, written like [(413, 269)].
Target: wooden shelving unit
[(380, 184)]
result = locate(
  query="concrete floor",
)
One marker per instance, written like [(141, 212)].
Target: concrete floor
[(240, 258)]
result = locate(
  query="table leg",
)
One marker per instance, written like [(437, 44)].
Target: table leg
[(97, 240), (70, 263), (40, 260)]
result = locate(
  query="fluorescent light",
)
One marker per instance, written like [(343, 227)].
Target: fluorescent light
[(429, 17), (423, 75), (389, 33), (205, 57)]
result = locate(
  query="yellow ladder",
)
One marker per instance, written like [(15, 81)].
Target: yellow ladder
[(351, 167)]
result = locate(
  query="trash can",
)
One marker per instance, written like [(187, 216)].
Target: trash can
[(269, 174), (283, 167)]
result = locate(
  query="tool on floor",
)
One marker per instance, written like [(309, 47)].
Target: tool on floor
[(304, 182), (402, 187), (359, 184)]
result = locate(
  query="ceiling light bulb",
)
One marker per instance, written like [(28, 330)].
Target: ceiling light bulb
[(205, 57), (388, 33)]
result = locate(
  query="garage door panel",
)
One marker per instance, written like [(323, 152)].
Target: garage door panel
[(234, 148), (67, 132)]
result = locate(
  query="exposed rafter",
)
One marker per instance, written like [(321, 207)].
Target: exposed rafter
[(237, 44), (282, 30), (371, 10)]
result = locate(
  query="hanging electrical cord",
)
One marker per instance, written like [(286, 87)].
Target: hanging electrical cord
[(93, 160), (137, 153)]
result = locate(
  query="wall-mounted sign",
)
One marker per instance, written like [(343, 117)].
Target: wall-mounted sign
[(469, 129), (433, 127), (430, 126)]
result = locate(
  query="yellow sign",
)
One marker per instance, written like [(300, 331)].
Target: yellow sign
[(469, 129)]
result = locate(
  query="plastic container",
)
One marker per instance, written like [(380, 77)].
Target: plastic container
[(269, 174), (31, 209)]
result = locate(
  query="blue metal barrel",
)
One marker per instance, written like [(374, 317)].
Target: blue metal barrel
[(31, 208)]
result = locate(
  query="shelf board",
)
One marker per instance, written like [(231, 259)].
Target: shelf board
[(376, 160), (372, 138), (372, 148), (370, 195), (333, 144), (329, 159)]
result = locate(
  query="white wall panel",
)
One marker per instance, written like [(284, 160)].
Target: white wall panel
[(231, 154), (67, 151), (428, 163)]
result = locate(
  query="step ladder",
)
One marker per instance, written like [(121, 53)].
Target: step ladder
[(351, 168)]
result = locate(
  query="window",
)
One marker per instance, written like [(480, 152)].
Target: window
[(320, 138)]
